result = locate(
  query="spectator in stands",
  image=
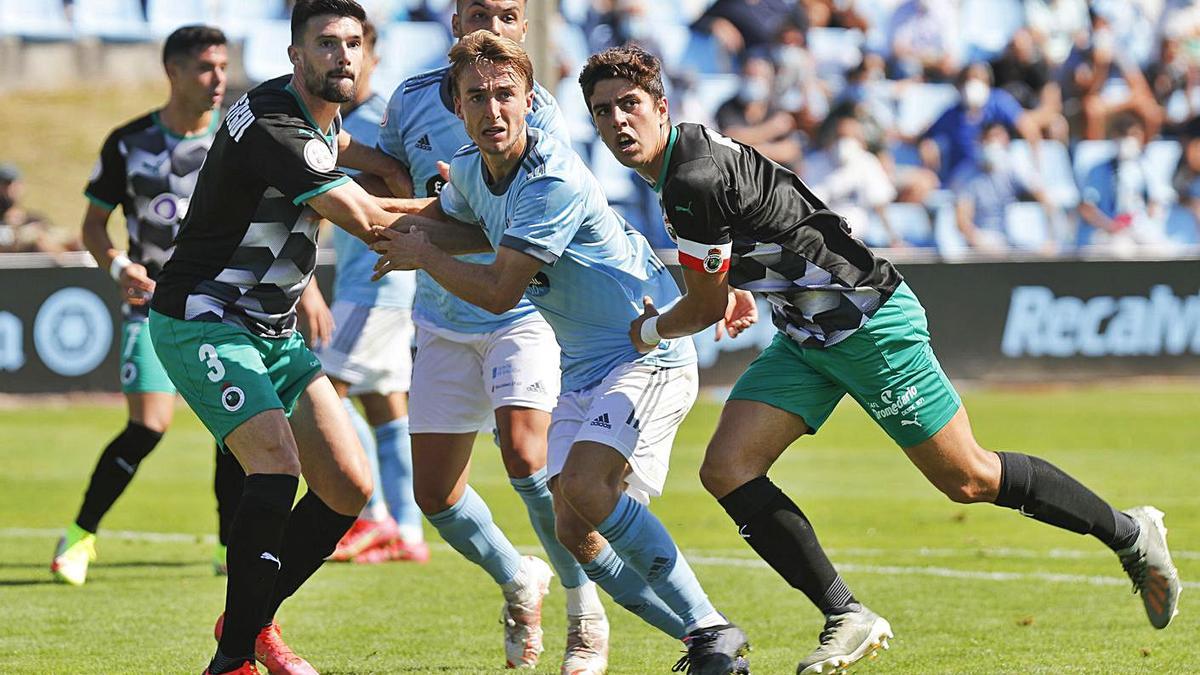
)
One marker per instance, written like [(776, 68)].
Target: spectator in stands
[(1099, 84), (799, 87), (981, 203), (753, 117), (858, 185), (923, 36), (951, 144), (835, 14), (23, 231), (1125, 208), (1023, 72), (1173, 71), (746, 24), (1187, 175), (1056, 26)]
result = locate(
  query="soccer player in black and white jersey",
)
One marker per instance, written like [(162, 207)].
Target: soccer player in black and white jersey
[(223, 323), (148, 167), (848, 324)]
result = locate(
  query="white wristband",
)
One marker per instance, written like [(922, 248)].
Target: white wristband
[(650, 331), (118, 264)]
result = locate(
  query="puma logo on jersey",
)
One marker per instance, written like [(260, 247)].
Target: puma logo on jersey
[(267, 556), (687, 210)]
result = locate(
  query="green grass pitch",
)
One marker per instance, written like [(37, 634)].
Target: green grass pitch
[(967, 589)]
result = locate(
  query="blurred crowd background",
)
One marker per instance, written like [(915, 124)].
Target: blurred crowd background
[(951, 128)]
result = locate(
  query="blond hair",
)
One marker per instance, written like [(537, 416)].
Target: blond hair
[(484, 47)]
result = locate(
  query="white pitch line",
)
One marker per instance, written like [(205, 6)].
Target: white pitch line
[(699, 558)]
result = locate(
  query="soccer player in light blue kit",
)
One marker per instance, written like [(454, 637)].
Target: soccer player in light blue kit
[(529, 197), (475, 369), (368, 356)]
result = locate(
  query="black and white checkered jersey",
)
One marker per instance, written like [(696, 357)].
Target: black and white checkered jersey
[(249, 244), (150, 172), (731, 209)]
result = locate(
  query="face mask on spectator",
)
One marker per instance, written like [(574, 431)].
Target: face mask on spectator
[(755, 91), (847, 149), (1129, 148), (995, 157), (976, 93)]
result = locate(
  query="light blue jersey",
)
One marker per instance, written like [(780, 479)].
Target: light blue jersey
[(356, 262), (597, 268), (421, 129)]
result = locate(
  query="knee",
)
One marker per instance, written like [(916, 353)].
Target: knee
[(520, 460), (972, 484), (431, 501), (585, 494), (571, 531), (273, 457), (720, 476)]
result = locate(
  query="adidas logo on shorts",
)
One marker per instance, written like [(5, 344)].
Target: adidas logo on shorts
[(536, 388), (602, 421)]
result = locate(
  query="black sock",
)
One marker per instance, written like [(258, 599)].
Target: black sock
[(778, 531), (313, 531), (227, 486), (254, 557), (225, 664), (1044, 492), (113, 471)]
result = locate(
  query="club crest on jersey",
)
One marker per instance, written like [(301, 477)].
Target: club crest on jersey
[(712, 261), (318, 156), (232, 398), (168, 208)]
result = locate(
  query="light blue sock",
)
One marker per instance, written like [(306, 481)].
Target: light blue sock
[(395, 468), (468, 527), (540, 505), (644, 544), (363, 430), (631, 592)]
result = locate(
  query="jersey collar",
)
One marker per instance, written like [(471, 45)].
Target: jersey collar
[(213, 124), (308, 115), (662, 173)]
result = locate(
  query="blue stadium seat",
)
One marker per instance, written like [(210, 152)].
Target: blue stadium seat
[(1161, 160), (118, 20), (986, 26), (905, 154), (710, 91), (877, 13), (35, 20), (1055, 168), (948, 238), (919, 105), (167, 15), (704, 54), (835, 50), (1182, 226), (1089, 154), (409, 48), (265, 53), (1026, 226), (238, 18), (911, 222)]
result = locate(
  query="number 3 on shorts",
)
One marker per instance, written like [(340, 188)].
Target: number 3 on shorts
[(208, 355)]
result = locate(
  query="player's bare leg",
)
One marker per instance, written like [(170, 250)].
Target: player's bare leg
[(150, 414), (593, 484), (522, 436), (441, 466), (749, 438), (966, 473)]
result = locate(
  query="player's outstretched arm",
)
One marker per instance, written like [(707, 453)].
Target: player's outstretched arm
[(708, 301), (374, 161), (496, 287), (350, 207)]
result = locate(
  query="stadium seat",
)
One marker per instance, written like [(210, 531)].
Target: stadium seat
[(704, 54), (877, 13), (1089, 154), (905, 154), (167, 15), (1055, 172), (35, 19), (911, 222), (1182, 226), (948, 238), (1161, 160), (835, 50), (409, 48), (239, 17), (986, 26), (265, 53), (919, 105), (118, 20), (710, 91), (1026, 226)]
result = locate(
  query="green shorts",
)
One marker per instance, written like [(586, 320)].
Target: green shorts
[(227, 374), (887, 366), (141, 372)]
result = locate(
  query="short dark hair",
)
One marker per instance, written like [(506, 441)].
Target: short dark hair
[(307, 9), (188, 40), (628, 63), (370, 35)]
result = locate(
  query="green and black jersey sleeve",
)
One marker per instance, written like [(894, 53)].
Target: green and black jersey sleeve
[(289, 156)]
